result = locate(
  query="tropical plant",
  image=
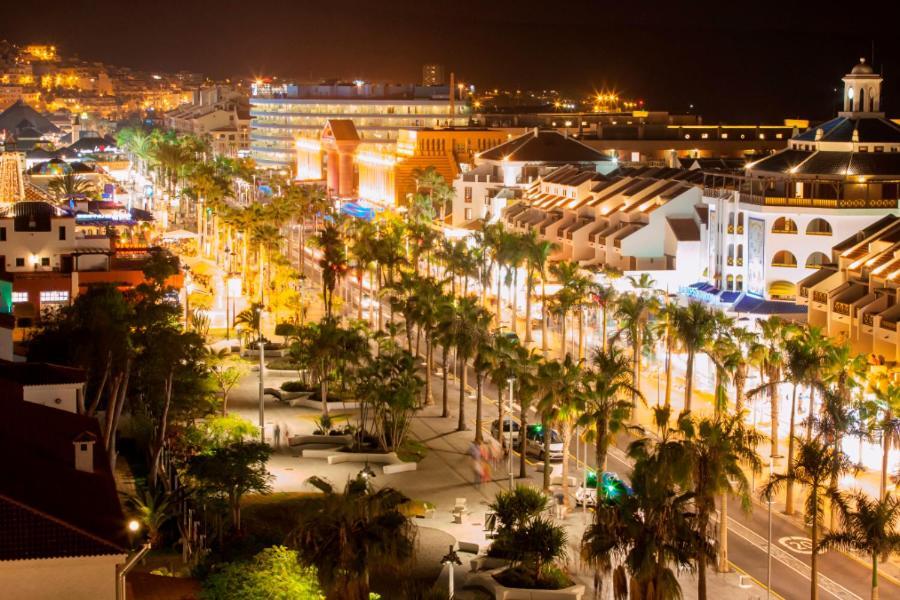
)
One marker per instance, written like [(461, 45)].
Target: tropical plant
[(344, 534), (537, 253), (274, 573), (69, 185), (694, 326), (153, 509), (561, 401)]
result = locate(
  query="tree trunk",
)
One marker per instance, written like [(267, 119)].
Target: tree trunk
[(499, 299), (874, 576), (523, 426), (562, 345), (580, 333), (514, 293), (161, 432), (636, 376), (323, 389), (689, 380), (886, 443), (463, 377), (528, 337), (789, 487), (445, 395), (809, 416), (604, 327), (111, 411), (359, 283), (601, 446), (479, 389), (429, 369), (774, 415), (723, 535), (114, 425), (814, 559), (544, 346), (668, 397), (545, 453), (567, 442), (703, 519), (92, 408)]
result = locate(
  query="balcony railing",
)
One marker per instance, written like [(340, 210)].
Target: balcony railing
[(740, 229), (868, 319), (804, 292), (820, 297), (889, 325), (842, 308), (731, 229), (819, 202), (730, 262)]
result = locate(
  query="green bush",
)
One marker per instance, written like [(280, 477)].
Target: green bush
[(284, 363), (274, 574), (296, 386), (552, 578), (286, 329)]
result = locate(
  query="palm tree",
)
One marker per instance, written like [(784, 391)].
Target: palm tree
[(605, 296), (503, 359), (537, 253), (694, 326), (869, 527), (572, 289), (68, 185), (633, 314), (714, 449), (444, 325), (560, 399), (513, 253), (251, 319), (468, 327), (813, 468), (887, 397), (527, 364), (333, 262), (345, 534), (153, 509), (775, 333), (606, 411), (664, 330)]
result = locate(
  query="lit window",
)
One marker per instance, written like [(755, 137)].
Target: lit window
[(19, 297), (724, 136), (55, 296)]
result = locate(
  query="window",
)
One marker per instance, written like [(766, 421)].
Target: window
[(784, 225), (20, 262), (19, 297), (467, 191), (55, 296), (468, 216), (2, 234), (784, 258), (45, 261), (818, 227), (863, 148), (816, 260), (62, 232)]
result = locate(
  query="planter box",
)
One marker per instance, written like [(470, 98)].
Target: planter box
[(485, 579), (308, 402), (334, 440), (483, 563)]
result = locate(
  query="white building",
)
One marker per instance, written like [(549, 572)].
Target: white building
[(504, 172), (775, 223)]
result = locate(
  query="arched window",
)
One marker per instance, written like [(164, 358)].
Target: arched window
[(818, 227), (784, 225), (862, 99), (730, 222), (816, 260), (739, 283), (729, 283), (730, 254), (784, 258), (740, 222)]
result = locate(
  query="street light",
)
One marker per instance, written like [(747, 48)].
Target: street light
[(450, 559), (232, 291), (262, 387), (509, 447)]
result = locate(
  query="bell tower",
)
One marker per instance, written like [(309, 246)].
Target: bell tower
[(862, 91)]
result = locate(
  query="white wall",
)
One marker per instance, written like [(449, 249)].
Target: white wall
[(47, 395), (80, 578), (41, 244)]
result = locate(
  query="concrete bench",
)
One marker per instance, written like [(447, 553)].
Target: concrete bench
[(485, 579), (334, 440), (336, 458), (399, 467)]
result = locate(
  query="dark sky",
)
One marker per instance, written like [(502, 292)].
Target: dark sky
[(753, 61)]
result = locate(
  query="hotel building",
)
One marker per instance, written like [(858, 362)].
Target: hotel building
[(774, 225), (283, 114)]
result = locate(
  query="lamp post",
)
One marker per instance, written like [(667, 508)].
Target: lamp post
[(232, 291), (262, 387), (450, 559), (509, 446)]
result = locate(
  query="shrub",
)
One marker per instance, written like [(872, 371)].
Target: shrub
[(296, 386), (274, 573), (286, 329)]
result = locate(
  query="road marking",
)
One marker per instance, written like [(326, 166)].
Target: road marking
[(790, 561), (798, 544)]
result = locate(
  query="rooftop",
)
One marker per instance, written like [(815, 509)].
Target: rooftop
[(544, 146)]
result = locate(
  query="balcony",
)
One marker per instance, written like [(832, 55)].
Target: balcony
[(740, 229), (730, 261), (888, 325), (731, 229), (804, 292), (820, 297), (868, 319), (760, 200), (841, 308)]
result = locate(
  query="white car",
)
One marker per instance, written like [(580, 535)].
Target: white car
[(508, 425), (612, 484), (534, 443)]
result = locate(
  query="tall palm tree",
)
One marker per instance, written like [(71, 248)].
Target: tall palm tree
[(526, 384), (503, 359), (559, 401), (68, 185), (333, 263), (444, 326), (606, 411), (664, 330), (887, 398), (605, 297), (633, 313), (345, 534), (774, 334), (513, 253), (813, 467), (694, 325), (869, 527), (573, 287), (537, 253), (469, 326), (715, 448)]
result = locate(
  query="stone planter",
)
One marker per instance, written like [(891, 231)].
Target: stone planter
[(485, 580), (323, 440), (487, 563)]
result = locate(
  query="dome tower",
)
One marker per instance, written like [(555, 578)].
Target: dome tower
[(862, 90)]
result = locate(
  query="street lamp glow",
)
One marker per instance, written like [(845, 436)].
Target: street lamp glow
[(134, 525)]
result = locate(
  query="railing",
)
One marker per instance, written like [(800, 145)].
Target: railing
[(804, 292), (731, 229), (842, 308), (868, 319), (730, 261), (740, 229), (820, 297), (889, 325), (819, 202)]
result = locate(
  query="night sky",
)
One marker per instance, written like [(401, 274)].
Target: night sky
[(751, 61)]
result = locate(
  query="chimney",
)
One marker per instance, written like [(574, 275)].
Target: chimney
[(84, 451)]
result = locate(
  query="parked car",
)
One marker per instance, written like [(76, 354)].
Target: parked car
[(611, 486), (534, 442), (508, 425)]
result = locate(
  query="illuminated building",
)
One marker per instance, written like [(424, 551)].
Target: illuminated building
[(280, 115), (776, 222), (433, 74)]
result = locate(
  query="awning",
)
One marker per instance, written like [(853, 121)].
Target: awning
[(783, 289), (356, 210), (758, 306)]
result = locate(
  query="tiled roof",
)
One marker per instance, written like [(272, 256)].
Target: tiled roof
[(685, 229), (868, 130), (31, 534), (781, 162), (544, 146), (40, 474), (758, 306), (343, 130)]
